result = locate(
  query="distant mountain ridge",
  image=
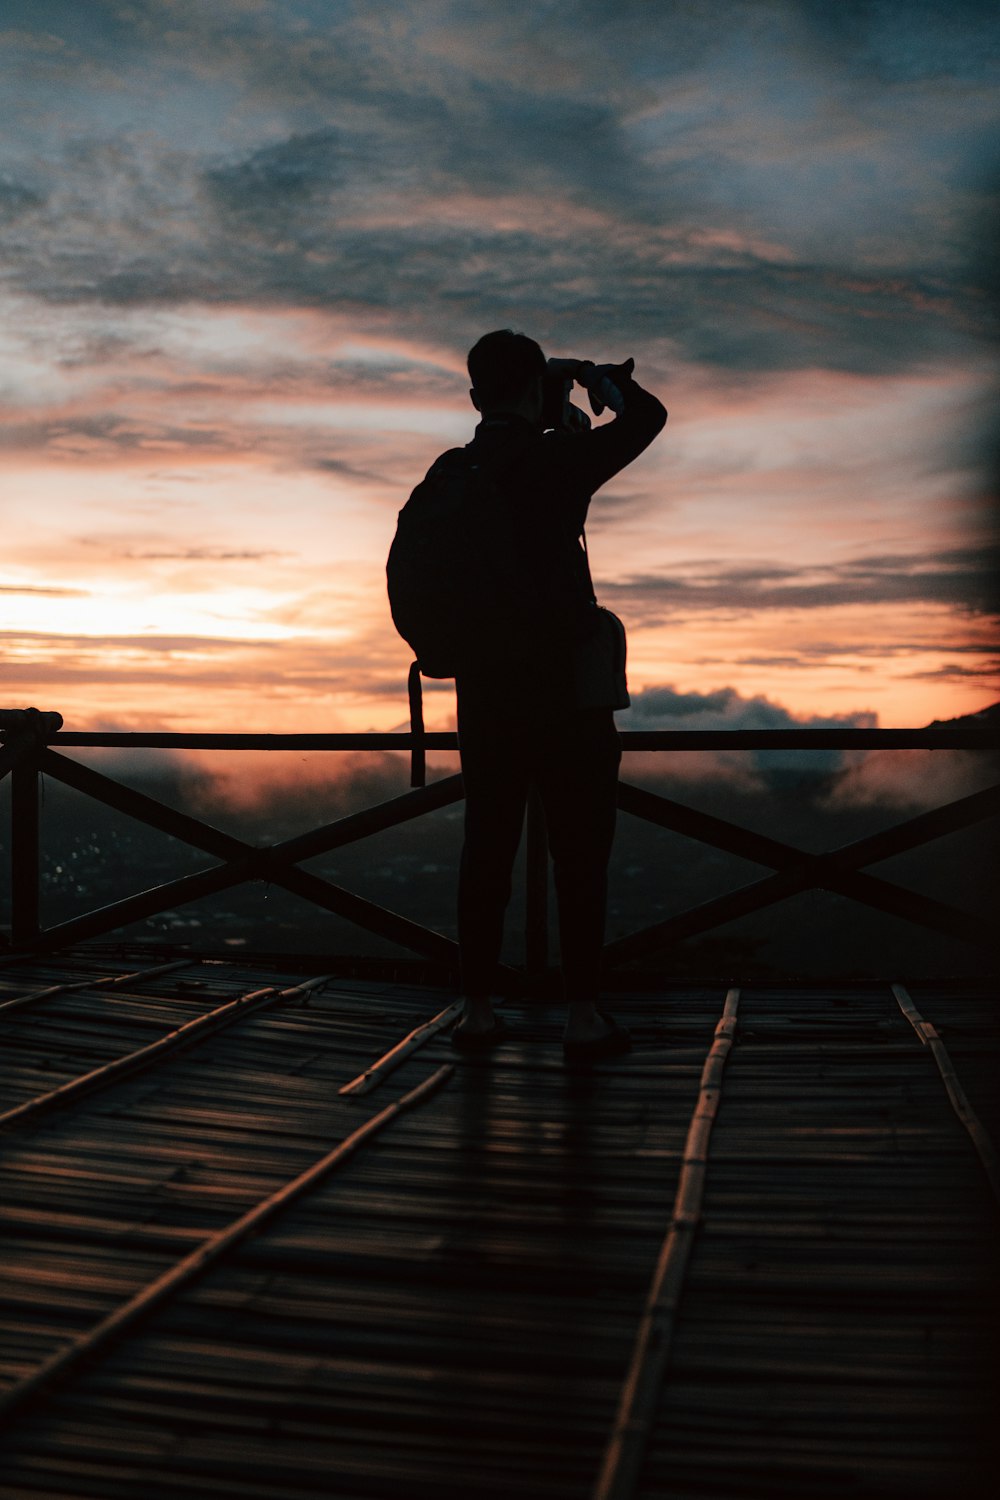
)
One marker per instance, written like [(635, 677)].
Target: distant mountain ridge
[(989, 715)]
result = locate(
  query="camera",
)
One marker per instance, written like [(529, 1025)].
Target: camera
[(558, 410)]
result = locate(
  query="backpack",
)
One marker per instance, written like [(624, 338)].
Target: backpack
[(456, 590)]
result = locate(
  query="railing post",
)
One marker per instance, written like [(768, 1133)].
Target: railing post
[(536, 914), (24, 853)]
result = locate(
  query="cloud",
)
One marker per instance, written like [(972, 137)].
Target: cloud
[(617, 282), (16, 197), (589, 179), (297, 670), (664, 708), (909, 779), (344, 469), (833, 780), (295, 788), (724, 708), (960, 577), (205, 554), (956, 41), (53, 592), (98, 436), (986, 672), (155, 644), (262, 189)]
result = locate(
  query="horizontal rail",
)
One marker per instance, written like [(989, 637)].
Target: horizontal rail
[(963, 737)]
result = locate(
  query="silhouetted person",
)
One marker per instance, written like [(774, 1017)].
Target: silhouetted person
[(546, 717)]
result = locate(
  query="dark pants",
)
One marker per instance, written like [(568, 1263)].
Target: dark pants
[(572, 758)]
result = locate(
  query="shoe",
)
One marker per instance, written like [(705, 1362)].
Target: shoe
[(613, 1044), (479, 1041)]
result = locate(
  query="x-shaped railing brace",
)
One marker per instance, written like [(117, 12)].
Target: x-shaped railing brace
[(276, 863), (796, 870), (838, 870)]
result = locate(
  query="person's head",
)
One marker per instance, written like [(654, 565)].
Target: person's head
[(507, 371)]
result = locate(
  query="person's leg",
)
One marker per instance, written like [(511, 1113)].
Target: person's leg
[(494, 769), (578, 780)]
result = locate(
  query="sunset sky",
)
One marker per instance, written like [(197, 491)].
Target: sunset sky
[(246, 246)]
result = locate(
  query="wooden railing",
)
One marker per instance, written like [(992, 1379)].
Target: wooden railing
[(32, 742)]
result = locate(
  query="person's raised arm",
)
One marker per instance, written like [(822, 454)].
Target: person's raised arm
[(586, 460)]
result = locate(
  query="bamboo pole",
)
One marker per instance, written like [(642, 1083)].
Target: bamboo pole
[(637, 1404), (389, 1061), (89, 1346), (107, 982), (978, 1134), (135, 1062)]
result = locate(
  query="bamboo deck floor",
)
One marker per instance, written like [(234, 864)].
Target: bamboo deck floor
[(452, 1311)]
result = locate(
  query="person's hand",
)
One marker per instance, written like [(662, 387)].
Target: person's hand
[(604, 384), (576, 419)]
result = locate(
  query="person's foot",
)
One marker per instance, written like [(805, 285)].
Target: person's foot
[(477, 1019), (592, 1034), (584, 1024), (478, 1028)]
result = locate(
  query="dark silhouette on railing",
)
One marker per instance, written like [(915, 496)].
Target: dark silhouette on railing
[(32, 742)]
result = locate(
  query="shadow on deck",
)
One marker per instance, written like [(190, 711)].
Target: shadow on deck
[(511, 1283)]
